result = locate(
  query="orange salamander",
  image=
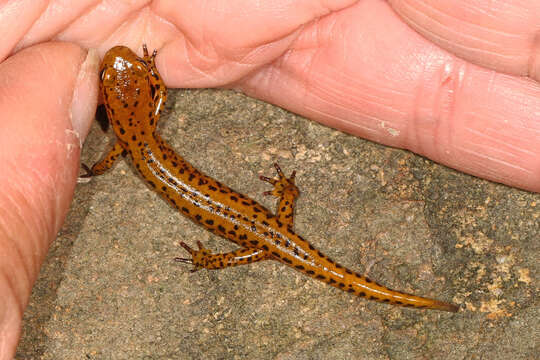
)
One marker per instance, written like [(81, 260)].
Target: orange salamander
[(134, 95)]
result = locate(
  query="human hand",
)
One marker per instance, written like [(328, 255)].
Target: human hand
[(349, 64)]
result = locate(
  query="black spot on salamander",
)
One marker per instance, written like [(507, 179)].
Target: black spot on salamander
[(243, 237), (185, 209), (245, 203), (122, 131), (232, 232), (287, 260), (221, 228), (164, 188), (300, 267), (152, 184), (265, 223), (276, 254), (136, 103), (368, 280), (254, 242), (256, 209), (198, 217), (341, 285), (191, 177), (362, 294), (213, 188), (331, 281), (253, 228), (310, 272), (265, 248)]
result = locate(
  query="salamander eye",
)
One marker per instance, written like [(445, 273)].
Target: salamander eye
[(102, 74)]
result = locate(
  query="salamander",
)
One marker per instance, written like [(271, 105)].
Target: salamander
[(134, 95)]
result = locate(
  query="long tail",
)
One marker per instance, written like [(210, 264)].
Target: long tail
[(342, 278)]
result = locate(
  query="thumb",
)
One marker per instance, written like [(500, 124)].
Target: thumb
[(47, 100)]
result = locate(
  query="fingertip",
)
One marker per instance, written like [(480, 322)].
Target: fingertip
[(84, 101)]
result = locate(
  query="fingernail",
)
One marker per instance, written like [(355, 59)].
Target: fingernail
[(84, 101)]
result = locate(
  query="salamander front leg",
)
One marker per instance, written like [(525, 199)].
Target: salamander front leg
[(204, 259), (287, 192), (106, 163)]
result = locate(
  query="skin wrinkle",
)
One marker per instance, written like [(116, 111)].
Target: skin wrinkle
[(501, 143), (17, 285), (343, 121), (457, 33), (483, 165), (22, 200), (460, 22), (11, 313), (490, 44), (533, 68), (346, 103), (11, 240), (457, 79), (14, 290)]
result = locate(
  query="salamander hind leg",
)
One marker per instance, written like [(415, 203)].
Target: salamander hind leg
[(287, 192), (204, 259)]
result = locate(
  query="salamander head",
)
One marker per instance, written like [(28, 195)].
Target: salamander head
[(128, 92)]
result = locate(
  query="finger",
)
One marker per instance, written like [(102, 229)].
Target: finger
[(363, 71), (502, 36), (16, 17), (219, 44), (47, 99)]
